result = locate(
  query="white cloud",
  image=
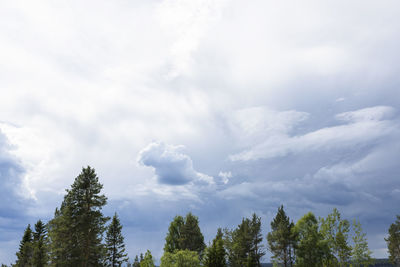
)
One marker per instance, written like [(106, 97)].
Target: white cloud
[(225, 176), (363, 126), (171, 165)]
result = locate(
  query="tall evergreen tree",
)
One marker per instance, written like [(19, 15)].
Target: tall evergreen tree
[(78, 225), (215, 255), (393, 242), (361, 255), (40, 245), (115, 244), (281, 239), (243, 244), (25, 253), (136, 262), (191, 237)]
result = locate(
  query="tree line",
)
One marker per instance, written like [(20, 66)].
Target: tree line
[(79, 234)]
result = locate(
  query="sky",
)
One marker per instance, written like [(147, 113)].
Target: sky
[(221, 108)]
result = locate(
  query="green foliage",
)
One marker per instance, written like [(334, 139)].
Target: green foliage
[(40, 245), (184, 234), (311, 248), (76, 231), (393, 242), (172, 241), (282, 239), (180, 258), (147, 261), (115, 246), (25, 253), (335, 231), (136, 262), (244, 243), (361, 255), (215, 255)]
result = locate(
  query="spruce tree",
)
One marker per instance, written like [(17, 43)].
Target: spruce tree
[(136, 263), (215, 255), (115, 244), (40, 245), (78, 226), (191, 237), (24, 255), (281, 239)]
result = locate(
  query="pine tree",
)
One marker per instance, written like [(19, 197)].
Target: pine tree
[(40, 245), (281, 240), (393, 242), (24, 255), (78, 226), (215, 255), (115, 244), (244, 243)]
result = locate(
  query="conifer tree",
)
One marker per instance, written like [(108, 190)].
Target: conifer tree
[(24, 255), (40, 245), (215, 255), (78, 226), (191, 237), (115, 244), (136, 263), (281, 239)]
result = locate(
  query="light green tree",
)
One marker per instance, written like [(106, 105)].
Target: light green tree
[(173, 238), (181, 258), (147, 260), (335, 231), (361, 255)]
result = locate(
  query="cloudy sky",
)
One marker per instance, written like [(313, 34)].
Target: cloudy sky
[(219, 107)]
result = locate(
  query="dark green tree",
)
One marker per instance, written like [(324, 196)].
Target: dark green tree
[(282, 239), (25, 253), (243, 244), (215, 255), (40, 245), (173, 239), (393, 242), (191, 237), (77, 229), (136, 263), (115, 244), (311, 247)]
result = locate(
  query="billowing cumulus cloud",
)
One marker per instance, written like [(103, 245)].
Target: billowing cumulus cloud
[(171, 165)]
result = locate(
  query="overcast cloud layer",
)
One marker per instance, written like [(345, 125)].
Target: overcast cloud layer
[(222, 108)]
